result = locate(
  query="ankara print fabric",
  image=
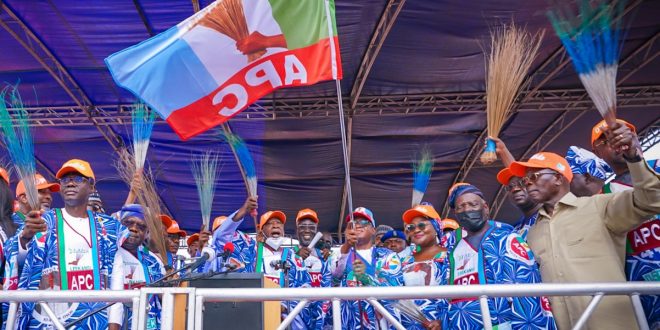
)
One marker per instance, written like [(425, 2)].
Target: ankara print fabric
[(502, 258), (384, 269), (43, 256), (425, 273)]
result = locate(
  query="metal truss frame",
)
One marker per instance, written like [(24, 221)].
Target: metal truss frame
[(547, 71), (24, 35)]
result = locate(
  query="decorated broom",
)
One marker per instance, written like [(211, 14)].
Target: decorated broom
[(592, 40), (228, 18), (18, 140), (204, 170), (410, 309), (421, 176), (244, 158), (143, 123), (512, 52)]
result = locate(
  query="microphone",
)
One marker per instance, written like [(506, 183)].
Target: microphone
[(315, 240), (207, 253), (227, 250)]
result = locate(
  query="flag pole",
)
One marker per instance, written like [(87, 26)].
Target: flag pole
[(342, 122)]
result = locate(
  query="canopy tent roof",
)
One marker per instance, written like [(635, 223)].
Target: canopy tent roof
[(413, 77)]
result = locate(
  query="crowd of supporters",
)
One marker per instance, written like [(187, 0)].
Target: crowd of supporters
[(575, 227)]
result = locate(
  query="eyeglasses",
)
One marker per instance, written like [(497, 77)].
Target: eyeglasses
[(533, 177), (77, 179), (307, 227), (362, 223), (421, 226), (514, 184)]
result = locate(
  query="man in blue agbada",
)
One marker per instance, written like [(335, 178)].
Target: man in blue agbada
[(67, 249), (643, 243), (488, 252), (267, 255), (134, 267), (363, 264)]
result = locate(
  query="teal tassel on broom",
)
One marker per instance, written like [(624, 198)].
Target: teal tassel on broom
[(18, 140), (204, 170), (245, 159), (592, 40), (421, 177), (143, 123)]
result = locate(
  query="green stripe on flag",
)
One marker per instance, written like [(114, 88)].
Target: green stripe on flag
[(303, 22)]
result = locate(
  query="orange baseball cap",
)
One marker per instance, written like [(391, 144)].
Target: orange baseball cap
[(504, 176), (4, 175), (166, 220), (218, 221), (192, 238), (40, 182), (597, 131), (77, 166), (174, 229), (449, 223), (421, 210), (543, 160), (307, 214), (271, 214)]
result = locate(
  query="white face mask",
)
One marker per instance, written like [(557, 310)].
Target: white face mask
[(275, 242)]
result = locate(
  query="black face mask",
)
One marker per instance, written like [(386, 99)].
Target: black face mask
[(473, 221)]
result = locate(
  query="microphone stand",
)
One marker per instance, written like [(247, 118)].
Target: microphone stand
[(285, 268), (157, 283)]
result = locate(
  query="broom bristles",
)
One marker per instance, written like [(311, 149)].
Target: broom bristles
[(592, 41), (142, 122), (244, 157), (204, 170), (228, 18), (148, 198), (423, 168), (18, 141), (512, 53), (409, 308)]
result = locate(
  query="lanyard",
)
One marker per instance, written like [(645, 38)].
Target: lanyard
[(62, 249)]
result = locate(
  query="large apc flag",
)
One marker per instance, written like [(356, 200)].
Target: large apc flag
[(213, 65)]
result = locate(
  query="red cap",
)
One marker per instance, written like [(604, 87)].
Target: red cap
[(543, 160), (40, 182)]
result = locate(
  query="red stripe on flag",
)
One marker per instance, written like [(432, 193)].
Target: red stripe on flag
[(250, 84)]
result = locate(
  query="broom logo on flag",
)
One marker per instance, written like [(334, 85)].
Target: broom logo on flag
[(210, 67)]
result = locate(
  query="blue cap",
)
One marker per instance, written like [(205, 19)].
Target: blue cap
[(393, 234), (583, 161)]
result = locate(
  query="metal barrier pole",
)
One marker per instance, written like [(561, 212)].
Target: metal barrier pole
[(190, 315), (393, 321), (11, 317), (142, 311), (51, 315), (167, 314), (485, 313), (336, 314), (639, 312), (292, 314), (587, 312), (199, 311), (135, 311)]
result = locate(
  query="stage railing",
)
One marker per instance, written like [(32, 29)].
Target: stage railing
[(198, 296)]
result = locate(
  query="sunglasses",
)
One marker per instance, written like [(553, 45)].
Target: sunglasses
[(421, 226), (533, 177), (77, 179), (362, 223), (307, 227)]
